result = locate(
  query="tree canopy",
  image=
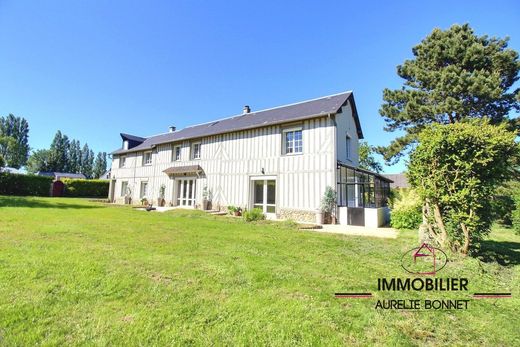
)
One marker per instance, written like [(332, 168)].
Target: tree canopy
[(367, 159), (454, 75), (455, 169), (14, 140)]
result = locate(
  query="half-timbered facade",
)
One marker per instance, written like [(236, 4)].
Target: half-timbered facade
[(280, 160)]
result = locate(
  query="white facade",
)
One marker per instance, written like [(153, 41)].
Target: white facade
[(247, 168)]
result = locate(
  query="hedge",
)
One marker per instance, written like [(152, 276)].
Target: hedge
[(85, 188), (17, 184)]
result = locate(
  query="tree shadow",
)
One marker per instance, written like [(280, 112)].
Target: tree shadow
[(20, 201), (505, 253)]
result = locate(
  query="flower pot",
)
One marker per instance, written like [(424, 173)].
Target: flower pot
[(128, 200), (319, 217), (205, 204), (161, 202), (238, 213)]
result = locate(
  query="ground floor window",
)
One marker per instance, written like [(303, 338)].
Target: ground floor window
[(361, 188), (124, 188), (144, 190)]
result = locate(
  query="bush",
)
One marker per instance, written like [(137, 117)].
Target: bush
[(516, 212), (254, 215), (28, 185), (85, 188), (406, 209)]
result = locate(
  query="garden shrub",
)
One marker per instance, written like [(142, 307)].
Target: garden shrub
[(254, 215), (24, 185), (515, 215), (406, 209), (85, 188)]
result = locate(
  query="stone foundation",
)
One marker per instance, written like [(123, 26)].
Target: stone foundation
[(298, 215)]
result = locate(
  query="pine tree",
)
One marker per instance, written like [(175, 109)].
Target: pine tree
[(59, 156), (100, 165), (87, 160), (454, 75)]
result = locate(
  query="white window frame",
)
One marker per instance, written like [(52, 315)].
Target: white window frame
[(124, 187), (146, 163), (143, 194), (122, 161), (284, 141), (174, 153), (348, 146), (193, 157)]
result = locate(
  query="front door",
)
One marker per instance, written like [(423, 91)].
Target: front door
[(264, 197), (186, 192)]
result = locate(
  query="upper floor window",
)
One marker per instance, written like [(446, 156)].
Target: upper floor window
[(176, 153), (147, 158), (122, 161), (348, 148), (195, 150), (293, 143)]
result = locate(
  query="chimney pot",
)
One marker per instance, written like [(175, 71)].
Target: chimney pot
[(247, 109), (171, 129)]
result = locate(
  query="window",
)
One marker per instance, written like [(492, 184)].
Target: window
[(147, 158), (195, 150), (144, 190), (124, 188), (293, 143), (348, 147), (361, 189), (176, 153), (122, 161)]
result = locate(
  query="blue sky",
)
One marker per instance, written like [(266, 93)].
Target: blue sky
[(94, 69)]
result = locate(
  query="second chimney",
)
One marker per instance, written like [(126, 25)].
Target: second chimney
[(247, 109), (171, 129)]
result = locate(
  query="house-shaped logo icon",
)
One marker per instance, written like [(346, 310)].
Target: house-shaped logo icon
[(424, 256)]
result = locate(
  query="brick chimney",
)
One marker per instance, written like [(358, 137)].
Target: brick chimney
[(246, 109)]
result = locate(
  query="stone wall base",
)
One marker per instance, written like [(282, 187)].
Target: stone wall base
[(297, 215)]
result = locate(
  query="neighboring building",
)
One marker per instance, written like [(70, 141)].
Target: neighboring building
[(58, 175), (12, 170), (399, 180), (105, 176), (279, 159)]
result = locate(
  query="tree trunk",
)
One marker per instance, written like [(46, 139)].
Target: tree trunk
[(440, 223), (465, 247)]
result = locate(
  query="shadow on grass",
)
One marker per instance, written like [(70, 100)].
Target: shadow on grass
[(505, 253), (20, 201)]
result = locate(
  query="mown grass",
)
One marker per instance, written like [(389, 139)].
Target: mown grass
[(73, 272)]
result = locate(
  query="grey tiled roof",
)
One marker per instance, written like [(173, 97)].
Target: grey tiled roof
[(283, 114)]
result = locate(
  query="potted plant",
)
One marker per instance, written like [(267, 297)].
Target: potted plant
[(238, 212), (319, 216), (144, 201), (160, 200), (128, 196), (206, 198), (235, 211), (328, 204)]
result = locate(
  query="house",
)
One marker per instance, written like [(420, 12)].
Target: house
[(105, 175), (399, 180), (279, 160), (59, 175), (12, 170)]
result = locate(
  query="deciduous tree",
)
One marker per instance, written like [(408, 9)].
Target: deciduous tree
[(455, 169), (15, 151)]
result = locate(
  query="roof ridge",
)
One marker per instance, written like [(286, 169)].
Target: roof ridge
[(263, 110)]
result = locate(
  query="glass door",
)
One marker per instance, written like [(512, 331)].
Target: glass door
[(264, 196), (186, 192)]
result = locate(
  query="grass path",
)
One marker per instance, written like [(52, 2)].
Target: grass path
[(74, 272)]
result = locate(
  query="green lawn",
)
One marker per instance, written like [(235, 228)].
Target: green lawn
[(75, 272)]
